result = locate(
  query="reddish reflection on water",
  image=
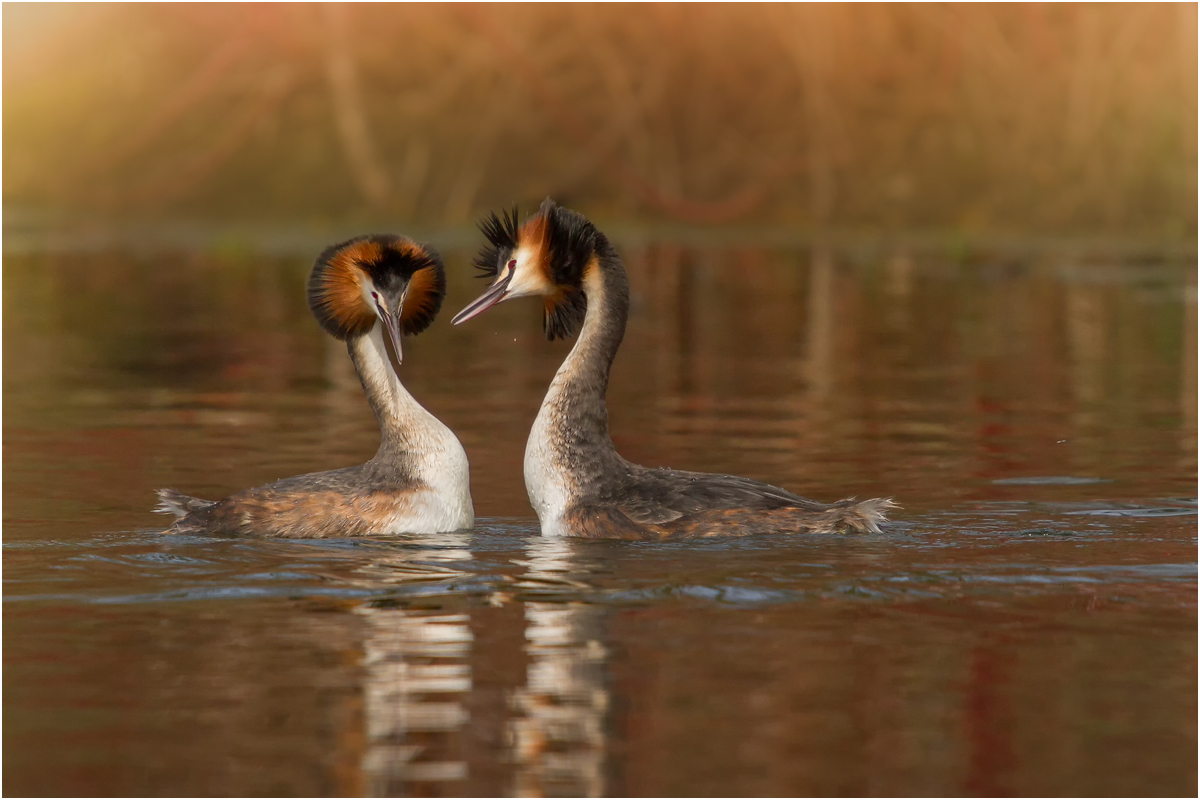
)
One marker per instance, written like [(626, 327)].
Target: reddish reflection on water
[(1027, 626)]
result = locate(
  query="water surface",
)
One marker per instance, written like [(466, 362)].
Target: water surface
[(1027, 625)]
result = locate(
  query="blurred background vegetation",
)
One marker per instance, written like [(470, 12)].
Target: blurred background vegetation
[(1021, 118)]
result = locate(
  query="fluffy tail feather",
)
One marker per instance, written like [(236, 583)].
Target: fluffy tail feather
[(865, 517), (179, 504)]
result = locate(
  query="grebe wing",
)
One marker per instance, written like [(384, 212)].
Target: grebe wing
[(674, 503), (172, 501), (343, 502), (657, 496)]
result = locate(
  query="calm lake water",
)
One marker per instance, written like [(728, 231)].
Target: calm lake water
[(1027, 625)]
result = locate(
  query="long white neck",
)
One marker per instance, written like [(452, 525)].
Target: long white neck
[(413, 440), (569, 450)]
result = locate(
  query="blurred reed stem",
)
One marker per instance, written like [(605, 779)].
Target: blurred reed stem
[(1025, 118)]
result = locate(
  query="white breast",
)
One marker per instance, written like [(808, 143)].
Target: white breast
[(442, 465), (429, 511), (545, 478)]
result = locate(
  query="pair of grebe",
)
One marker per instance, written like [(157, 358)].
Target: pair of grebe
[(369, 291)]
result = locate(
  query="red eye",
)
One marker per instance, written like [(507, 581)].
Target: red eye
[(374, 295), (512, 264)]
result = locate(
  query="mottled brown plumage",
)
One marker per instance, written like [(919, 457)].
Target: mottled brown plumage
[(355, 501)]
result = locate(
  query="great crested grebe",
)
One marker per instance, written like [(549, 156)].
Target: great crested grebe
[(418, 481), (577, 482)]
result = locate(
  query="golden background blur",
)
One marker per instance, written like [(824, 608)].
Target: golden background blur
[(968, 118), (1024, 386)]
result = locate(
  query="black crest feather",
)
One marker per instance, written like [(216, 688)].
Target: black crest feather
[(571, 242), (563, 317), (501, 233), (393, 263)]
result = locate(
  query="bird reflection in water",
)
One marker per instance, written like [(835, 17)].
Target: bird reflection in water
[(417, 674), (557, 732)]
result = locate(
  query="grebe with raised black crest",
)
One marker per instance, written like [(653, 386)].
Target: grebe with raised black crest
[(577, 482)]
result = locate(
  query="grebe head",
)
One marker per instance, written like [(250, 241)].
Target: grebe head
[(547, 255), (383, 278)]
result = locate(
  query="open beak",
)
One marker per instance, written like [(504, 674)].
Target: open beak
[(493, 295), (391, 322)]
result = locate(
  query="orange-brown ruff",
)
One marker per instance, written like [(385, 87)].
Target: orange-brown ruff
[(367, 292), (577, 482)]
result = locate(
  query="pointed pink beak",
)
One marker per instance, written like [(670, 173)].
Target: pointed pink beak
[(392, 326), (491, 297)]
